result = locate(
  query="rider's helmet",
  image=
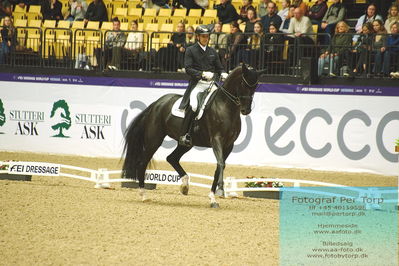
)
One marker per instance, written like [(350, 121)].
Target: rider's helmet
[(202, 29)]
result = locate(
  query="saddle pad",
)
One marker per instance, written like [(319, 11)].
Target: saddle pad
[(180, 113)]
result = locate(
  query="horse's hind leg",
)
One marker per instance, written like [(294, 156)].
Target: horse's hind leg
[(174, 160)]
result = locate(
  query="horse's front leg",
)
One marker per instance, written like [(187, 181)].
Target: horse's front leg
[(221, 155)]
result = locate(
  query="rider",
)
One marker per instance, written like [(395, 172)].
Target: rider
[(201, 63)]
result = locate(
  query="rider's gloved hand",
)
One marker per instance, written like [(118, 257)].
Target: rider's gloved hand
[(208, 76), (223, 76)]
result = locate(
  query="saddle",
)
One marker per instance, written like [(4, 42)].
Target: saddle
[(204, 99)]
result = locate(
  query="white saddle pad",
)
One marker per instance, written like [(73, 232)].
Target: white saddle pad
[(180, 113)]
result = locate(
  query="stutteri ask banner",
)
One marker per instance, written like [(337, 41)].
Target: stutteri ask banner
[(330, 131)]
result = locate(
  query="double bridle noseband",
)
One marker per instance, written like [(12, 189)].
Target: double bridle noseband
[(236, 99)]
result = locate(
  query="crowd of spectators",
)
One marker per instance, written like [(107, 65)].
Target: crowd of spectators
[(367, 48)]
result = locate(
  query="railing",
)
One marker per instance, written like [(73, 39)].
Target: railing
[(276, 54)]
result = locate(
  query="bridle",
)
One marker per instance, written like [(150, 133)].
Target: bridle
[(236, 99)]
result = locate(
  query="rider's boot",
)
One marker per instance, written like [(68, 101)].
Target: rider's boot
[(185, 138)]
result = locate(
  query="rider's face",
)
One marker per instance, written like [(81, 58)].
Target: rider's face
[(204, 39)]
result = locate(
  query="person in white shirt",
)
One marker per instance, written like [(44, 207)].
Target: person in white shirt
[(285, 7), (134, 44)]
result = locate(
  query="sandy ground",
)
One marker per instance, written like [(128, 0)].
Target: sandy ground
[(63, 221)]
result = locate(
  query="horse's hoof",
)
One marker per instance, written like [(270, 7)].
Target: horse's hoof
[(184, 185), (220, 193), (214, 205)]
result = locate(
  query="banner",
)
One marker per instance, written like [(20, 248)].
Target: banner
[(329, 128)]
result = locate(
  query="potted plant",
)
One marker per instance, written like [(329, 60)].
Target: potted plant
[(5, 175), (263, 194), (397, 145)]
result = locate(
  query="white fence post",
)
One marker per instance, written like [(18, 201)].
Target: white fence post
[(231, 186), (101, 176)]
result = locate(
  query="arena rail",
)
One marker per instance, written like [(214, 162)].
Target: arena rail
[(102, 179)]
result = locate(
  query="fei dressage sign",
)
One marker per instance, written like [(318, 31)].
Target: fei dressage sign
[(34, 168)]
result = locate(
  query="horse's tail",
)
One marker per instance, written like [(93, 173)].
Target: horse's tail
[(134, 145)]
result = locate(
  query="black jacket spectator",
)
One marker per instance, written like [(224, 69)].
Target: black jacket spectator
[(226, 12), (51, 9), (96, 11), (317, 12), (266, 20)]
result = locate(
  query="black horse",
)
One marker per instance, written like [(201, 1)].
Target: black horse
[(218, 128)]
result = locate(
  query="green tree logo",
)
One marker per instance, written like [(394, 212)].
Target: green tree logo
[(2, 115), (61, 112)]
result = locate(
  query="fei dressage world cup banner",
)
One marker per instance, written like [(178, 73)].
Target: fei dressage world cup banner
[(330, 128)]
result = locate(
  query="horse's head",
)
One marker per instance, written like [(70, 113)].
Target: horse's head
[(249, 83)]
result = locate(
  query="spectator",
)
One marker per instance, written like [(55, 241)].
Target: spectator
[(253, 52), (271, 17), (178, 43), (392, 51), (226, 12), (317, 12), (246, 4), (283, 13), (251, 19), (370, 16), (362, 49), (379, 45), (96, 11), (393, 17), (335, 13), (190, 37), (300, 25), (5, 9), (236, 42), (262, 8), (300, 4), (218, 41), (8, 39), (188, 4), (135, 44), (338, 51), (51, 10), (286, 24), (274, 44), (113, 45), (78, 10)]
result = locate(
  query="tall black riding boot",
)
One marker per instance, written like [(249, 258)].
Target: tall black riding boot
[(185, 138)]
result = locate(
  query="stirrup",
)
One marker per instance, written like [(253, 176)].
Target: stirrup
[(186, 140)]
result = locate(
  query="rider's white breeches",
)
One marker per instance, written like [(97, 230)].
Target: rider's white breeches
[(200, 87)]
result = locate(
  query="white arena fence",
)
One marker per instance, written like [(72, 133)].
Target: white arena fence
[(104, 177)]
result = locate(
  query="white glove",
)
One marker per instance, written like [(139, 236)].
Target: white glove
[(207, 75), (223, 76)]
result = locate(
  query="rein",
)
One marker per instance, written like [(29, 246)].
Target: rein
[(233, 98)]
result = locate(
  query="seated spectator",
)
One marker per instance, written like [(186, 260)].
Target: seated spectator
[(114, 42), (300, 4), (135, 44), (286, 23), (96, 11), (218, 41), (251, 19), (335, 13), (274, 45), (392, 51), (379, 45), (262, 8), (283, 13), (190, 37), (77, 10), (236, 42), (7, 39), (271, 17), (188, 4), (51, 10), (317, 12), (370, 16), (393, 17), (178, 41), (246, 4), (300, 25), (226, 12), (362, 49), (337, 51), (5, 9), (252, 54)]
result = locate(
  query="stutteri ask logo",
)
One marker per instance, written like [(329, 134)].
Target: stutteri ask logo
[(2, 115), (61, 115)]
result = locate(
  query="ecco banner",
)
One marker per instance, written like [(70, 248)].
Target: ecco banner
[(337, 131), (34, 168)]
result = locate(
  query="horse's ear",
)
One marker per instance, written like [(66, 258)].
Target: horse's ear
[(244, 69)]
